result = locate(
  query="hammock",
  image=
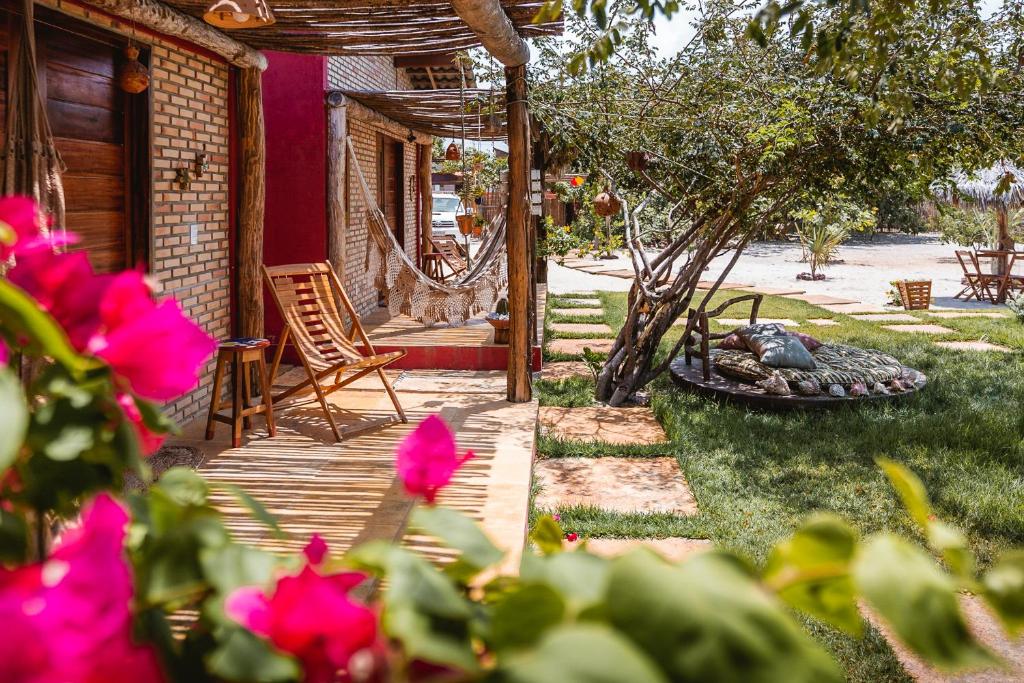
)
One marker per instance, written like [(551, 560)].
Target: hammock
[(409, 290)]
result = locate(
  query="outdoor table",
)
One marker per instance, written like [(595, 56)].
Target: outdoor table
[(1004, 261)]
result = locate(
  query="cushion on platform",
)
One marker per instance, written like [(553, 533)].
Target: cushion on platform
[(733, 342), (809, 342), (784, 352), (836, 364)]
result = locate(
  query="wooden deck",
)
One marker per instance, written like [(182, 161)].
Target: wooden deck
[(441, 346), (347, 492)]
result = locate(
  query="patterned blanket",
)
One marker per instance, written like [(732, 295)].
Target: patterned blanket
[(837, 364)]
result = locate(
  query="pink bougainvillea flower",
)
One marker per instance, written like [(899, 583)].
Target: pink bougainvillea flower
[(21, 227), (572, 537), (149, 442), (4, 353), (428, 458), (316, 550), (158, 352), (310, 616), (68, 619)]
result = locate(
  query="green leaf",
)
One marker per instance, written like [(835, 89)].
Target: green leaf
[(258, 510), (23, 317), (949, 542), (910, 489), (461, 533), (245, 658), (13, 538), (523, 615), (13, 418), (547, 535), (1004, 590), (919, 601), (708, 620), (811, 571), (233, 566), (579, 577), (431, 639), (184, 486), (583, 654)]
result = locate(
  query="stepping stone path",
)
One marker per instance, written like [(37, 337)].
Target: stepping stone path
[(575, 346), (598, 312), (985, 627), (887, 317), (672, 549), (626, 485), (581, 303), (624, 274), (737, 322), (619, 426), (965, 314), (973, 346), (920, 329), (555, 372), (581, 328), (724, 287), (851, 309), (773, 291), (822, 299), (822, 322)]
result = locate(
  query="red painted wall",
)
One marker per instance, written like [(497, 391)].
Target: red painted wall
[(295, 229)]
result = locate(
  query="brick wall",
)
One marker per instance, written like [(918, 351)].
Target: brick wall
[(371, 73), (189, 97)]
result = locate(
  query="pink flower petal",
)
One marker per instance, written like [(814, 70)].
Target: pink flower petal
[(427, 458), (315, 550), (250, 608), (149, 442)]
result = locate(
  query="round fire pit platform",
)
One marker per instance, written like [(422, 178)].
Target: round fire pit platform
[(728, 390)]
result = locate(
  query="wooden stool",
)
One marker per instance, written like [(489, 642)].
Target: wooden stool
[(240, 353)]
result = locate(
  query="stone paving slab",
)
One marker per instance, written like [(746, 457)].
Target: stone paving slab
[(851, 309), (672, 549), (822, 322), (973, 346), (576, 346), (985, 627), (627, 485), (581, 328), (578, 311), (737, 322), (555, 372), (821, 299), (965, 314), (620, 426), (724, 287), (774, 291), (919, 329), (624, 274), (887, 317), (578, 303)]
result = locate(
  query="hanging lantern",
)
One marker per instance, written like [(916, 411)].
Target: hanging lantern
[(452, 153), (607, 204), (637, 161), (133, 76), (233, 14)]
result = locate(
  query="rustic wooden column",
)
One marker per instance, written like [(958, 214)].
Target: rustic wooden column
[(337, 183), (518, 230), (252, 158), (424, 175)]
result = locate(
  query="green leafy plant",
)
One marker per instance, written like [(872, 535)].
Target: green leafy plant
[(1015, 302)]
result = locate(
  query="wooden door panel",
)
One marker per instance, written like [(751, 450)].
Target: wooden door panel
[(78, 52), (86, 157), (84, 122), (93, 193), (69, 85), (104, 232)]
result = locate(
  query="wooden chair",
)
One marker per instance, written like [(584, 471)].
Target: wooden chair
[(702, 346), (452, 255), (307, 296), (977, 284)]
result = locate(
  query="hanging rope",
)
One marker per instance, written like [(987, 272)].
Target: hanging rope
[(409, 290)]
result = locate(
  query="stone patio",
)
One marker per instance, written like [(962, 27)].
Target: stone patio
[(620, 426), (626, 485), (581, 328), (920, 329), (973, 346), (554, 372), (576, 346), (348, 492), (672, 549)]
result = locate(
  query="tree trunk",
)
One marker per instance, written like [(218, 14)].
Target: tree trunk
[(517, 236), (251, 201)]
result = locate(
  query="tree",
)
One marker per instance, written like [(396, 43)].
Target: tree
[(736, 135)]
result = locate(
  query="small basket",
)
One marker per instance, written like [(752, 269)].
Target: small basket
[(916, 295), (500, 326)]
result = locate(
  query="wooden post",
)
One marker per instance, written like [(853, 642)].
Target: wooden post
[(424, 174), (518, 235), (337, 186), (251, 201)]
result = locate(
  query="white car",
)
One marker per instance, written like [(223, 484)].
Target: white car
[(445, 208)]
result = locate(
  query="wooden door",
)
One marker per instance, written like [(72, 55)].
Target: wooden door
[(390, 181)]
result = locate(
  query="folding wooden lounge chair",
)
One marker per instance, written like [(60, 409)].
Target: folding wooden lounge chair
[(307, 295), (451, 254), (977, 284)]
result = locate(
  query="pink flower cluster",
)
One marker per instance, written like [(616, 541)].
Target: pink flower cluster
[(310, 616), (428, 458), (68, 619), (113, 317)]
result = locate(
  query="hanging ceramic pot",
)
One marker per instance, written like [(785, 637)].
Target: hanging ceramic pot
[(133, 76), (607, 204), (637, 161), (452, 153), (465, 222)]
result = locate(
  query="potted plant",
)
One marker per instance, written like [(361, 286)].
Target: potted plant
[(465, 221), (499, 321)]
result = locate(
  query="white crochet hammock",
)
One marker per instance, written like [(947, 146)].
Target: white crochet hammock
[(409, 290)]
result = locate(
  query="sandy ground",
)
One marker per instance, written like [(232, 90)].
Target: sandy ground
[(863, 272)]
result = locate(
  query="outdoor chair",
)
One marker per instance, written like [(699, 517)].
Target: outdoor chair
[(307, 296), (976, 283), (451, 254)]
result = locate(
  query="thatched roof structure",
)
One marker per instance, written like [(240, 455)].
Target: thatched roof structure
[(438, 112), (1000, 185)]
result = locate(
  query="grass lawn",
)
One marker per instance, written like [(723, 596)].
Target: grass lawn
[(756, 475)]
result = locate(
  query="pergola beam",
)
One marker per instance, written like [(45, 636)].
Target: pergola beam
[(494, 29), (167, 20)]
